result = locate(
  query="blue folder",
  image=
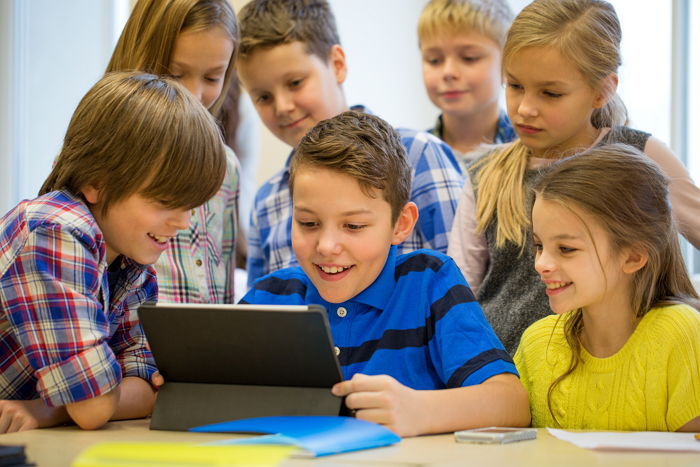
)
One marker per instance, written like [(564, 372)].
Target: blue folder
[(320, 435)]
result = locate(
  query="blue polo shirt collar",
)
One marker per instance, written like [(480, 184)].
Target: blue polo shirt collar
[(377, 295)]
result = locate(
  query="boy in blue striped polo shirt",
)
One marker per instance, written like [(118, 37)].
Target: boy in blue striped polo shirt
[(414, 346)]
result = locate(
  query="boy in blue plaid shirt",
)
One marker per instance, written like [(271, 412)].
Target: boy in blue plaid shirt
[(139, 153), (293, 66)]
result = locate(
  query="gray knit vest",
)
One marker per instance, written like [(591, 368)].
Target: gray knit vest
[(511, 293)]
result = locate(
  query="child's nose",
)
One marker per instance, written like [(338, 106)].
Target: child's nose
[(181, 218), (328, 243), (284, 103), (195, 88), (450, 70), (526, 107), (543, 262)]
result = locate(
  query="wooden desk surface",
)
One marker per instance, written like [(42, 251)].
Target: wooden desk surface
[(60, 446)]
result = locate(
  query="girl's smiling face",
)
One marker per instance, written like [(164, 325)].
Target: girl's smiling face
[(549, 102), (576, 260)]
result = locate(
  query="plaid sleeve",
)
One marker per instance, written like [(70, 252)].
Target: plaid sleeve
[(255, 263), (128, 341), (51, 298), (230, 227), (437, 184)]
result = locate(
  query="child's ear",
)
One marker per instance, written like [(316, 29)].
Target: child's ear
[(404, 224), (608, 89), (635, 258), (91, 194), (336, 60)]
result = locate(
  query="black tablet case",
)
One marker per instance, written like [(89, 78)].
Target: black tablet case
[(226, 362)]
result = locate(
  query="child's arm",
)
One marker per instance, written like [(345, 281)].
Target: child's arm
[(691, 426), (684, 195), (136, 398), (467, 247), (499, 401), (26, 415)]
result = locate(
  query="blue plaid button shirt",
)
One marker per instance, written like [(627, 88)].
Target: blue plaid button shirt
[(436, 186)]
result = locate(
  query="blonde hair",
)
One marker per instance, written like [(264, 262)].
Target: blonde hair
[(490, 18), (627, 194), (362, 146), (586, 32), (148, 39), (135, 132)]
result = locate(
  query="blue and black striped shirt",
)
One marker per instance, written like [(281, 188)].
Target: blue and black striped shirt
[(418, 322)]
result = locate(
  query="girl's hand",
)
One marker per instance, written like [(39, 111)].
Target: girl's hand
[(381, 399), (18, 416)]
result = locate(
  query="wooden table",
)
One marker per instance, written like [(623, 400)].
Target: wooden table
[(60, 446)]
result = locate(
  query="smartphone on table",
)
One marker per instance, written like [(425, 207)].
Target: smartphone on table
[(495, 435)]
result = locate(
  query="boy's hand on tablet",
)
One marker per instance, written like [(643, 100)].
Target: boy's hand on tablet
[(381, 399)]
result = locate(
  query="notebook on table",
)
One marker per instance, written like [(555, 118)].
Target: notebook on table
[(228, 362)]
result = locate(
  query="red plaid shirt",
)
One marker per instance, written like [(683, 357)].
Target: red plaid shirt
[(62, 337)]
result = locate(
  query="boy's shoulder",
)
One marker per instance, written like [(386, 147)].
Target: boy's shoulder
[(57, 208), (284, 283), (424, 265)]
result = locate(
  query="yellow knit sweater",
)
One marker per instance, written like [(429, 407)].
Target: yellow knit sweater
[(652, 383)]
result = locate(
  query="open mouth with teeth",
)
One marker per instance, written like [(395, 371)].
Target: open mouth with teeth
[(333, 272), (555, 287), (158, 239)]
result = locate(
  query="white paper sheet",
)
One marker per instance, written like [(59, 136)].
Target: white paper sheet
[(634, 441)]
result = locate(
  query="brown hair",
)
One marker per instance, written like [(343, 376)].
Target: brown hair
[(148, 39), (136, 132), (627, 194), (586, 32), (362, 146), (269, 23), (490, 18)]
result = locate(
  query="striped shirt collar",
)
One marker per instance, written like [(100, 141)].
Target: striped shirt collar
[(376, 295)]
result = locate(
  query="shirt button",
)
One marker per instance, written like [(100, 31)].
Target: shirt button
[(198, 262), (342, 312), (337, 351)]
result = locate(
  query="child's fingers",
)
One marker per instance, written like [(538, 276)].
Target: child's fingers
[(17, 423), (366, 400), (379, 416)]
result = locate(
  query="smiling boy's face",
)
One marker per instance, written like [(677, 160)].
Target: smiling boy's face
[(292, 89), (341, 236), (136, 227)]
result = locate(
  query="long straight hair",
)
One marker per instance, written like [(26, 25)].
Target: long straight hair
[(585, 32), (627, 195), (148, 39)]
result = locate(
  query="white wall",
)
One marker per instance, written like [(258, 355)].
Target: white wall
[(51, 54)]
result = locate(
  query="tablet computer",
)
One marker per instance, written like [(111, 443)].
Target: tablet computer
[(226, 362)]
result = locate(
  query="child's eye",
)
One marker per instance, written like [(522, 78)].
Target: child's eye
[(566, 249), (537, 246), (262, 99), (471, 59), (295, 83), (552, 94), (213, 79), (432, 61), (307, 224), (515, 86), (355, 227)]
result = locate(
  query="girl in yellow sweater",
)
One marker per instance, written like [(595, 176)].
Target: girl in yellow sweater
[(622, 351)]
